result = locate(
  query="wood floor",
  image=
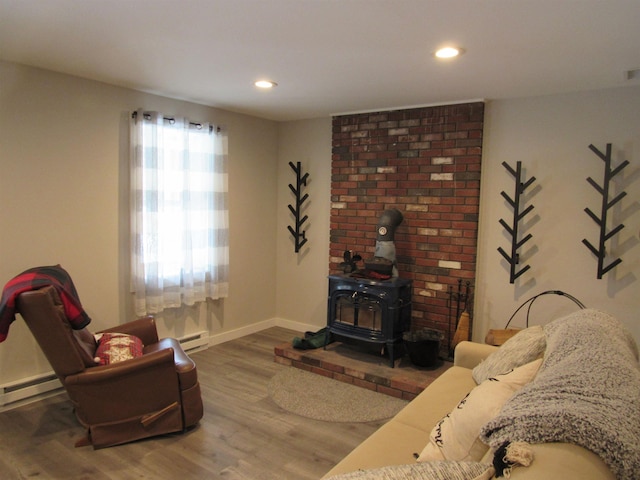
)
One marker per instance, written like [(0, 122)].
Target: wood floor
[(243, 434)]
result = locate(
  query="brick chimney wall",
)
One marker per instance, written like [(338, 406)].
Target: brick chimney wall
[(426, 163)]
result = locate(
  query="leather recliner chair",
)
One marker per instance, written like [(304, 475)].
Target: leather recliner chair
[(154, 394)]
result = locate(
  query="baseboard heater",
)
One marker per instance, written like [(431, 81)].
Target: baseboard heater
[(195, 342), (25, 388), (28, 388)]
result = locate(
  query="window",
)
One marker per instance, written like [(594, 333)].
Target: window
[(179, 218)]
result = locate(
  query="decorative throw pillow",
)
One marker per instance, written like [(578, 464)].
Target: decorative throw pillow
[(456, 436), (424, 471), (117, 347), (524, 347)]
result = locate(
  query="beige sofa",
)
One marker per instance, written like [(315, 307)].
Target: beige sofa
[(399, 441)]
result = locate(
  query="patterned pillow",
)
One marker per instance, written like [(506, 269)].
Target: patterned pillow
[(524, 347), (424, 471), (457, 435), (117, 347)]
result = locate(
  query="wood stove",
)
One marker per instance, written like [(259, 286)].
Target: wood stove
[(373, 311)]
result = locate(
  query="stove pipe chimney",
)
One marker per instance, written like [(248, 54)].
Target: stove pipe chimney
[(385, 247)]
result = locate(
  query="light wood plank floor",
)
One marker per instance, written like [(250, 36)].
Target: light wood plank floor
[(243, 434)]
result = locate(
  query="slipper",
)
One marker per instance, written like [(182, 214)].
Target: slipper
[(311, 340)]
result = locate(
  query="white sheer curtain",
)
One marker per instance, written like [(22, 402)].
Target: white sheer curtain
[(179, 217)]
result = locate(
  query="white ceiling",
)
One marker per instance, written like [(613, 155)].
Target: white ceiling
[(329, 56)]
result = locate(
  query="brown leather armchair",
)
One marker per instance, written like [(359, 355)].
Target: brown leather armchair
[(153, 394)]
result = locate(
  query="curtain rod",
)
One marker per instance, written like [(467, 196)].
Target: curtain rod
[(172, 119)]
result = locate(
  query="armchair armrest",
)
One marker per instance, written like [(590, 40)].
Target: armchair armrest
[(144, 328), (125, 390), (117, 371), (470, 354)]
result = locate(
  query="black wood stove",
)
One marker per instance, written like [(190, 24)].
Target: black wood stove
[(374, 311)]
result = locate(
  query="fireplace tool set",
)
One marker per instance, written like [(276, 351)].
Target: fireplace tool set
[(458, 302)]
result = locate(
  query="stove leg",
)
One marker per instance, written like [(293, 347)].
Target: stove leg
[(392, 357)]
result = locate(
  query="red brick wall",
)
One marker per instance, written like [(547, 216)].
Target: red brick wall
[(426, 163)]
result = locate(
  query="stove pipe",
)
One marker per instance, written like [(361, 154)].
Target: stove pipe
[(385, 247)]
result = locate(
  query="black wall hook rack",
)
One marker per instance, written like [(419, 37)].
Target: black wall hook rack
[(514, 257), (299, 235), (609, 173)]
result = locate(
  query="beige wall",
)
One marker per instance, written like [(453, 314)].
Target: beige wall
[(302, 277), (63, 191), (550, 136)]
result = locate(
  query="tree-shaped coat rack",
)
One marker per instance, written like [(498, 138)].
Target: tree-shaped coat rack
[(520, 187), (609, 173), (299, 235)]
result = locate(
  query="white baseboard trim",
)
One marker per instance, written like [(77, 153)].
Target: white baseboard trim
[(218, 338), (297, 326), (222, 337)]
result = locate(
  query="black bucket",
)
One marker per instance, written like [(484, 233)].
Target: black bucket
[(423, 346)]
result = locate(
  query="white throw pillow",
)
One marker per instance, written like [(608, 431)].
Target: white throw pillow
[(524, 347), (456, 436)]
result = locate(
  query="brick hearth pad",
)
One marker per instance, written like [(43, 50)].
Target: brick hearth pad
[(350, 364)]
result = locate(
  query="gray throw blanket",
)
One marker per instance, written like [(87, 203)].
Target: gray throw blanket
[(587, 392)]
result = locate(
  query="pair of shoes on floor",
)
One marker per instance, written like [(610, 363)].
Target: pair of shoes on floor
[(311, 340)]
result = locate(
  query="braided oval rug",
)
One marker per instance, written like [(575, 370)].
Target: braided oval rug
[(321, 398)]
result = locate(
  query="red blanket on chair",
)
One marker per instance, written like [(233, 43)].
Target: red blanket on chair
[(34, 279)]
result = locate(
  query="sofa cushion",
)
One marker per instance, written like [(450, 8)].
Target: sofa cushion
[(436, 401), (117, 347), (524, 347), (424, 471), (560, 461), (456, 436), (401, 439), (394, 443)]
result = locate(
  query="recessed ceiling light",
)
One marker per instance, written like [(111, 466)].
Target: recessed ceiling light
[(265, 84), (449, 52)]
